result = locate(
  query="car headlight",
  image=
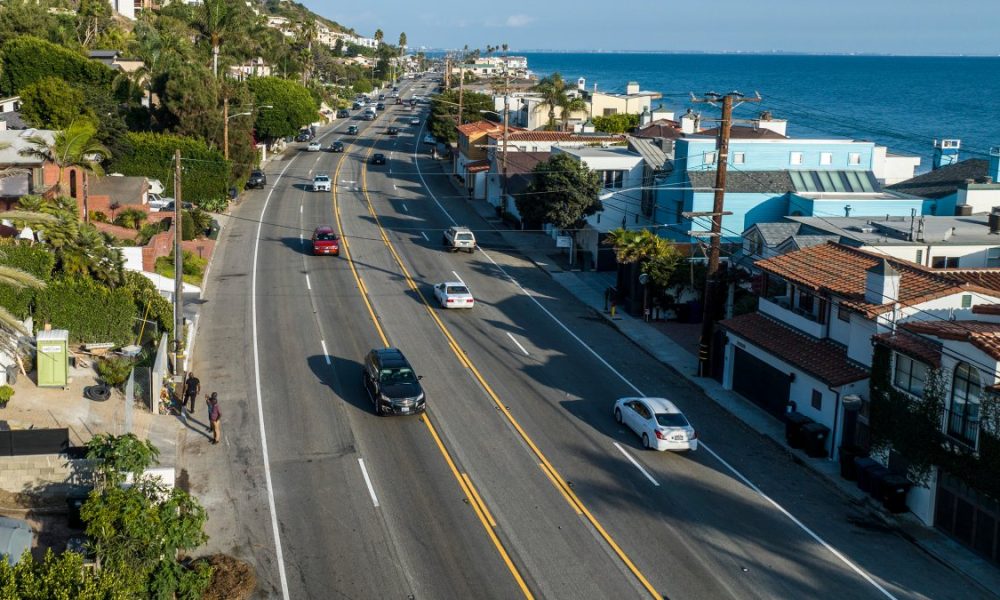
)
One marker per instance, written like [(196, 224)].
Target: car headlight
[(420, 398), (384, 398)]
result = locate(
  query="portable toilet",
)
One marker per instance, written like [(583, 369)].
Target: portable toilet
[(53, 357)]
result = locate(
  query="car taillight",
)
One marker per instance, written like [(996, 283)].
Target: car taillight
[(450, 300), (660, 435)]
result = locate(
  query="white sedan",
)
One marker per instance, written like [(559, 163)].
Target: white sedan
[(454, 294), (321, 183), (660, 424), (314, 147), (415, 121)]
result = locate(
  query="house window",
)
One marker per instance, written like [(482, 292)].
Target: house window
[(806, 301), (756, 244), (993, 257), (843, 313), (826, 158), (963, 418), (944, 262), (920, 257), (795, 158), (610, 111), (710, 158), (966, 300), (817, 400), (739, 158), (72, 183), (854, 158), (612, 179), (910, 375)]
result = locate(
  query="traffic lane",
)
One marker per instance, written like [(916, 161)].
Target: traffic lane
[(558, 553)]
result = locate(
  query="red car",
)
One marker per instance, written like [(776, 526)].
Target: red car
[(325, 241)]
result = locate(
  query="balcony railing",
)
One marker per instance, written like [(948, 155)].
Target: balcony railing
[(962, 427)]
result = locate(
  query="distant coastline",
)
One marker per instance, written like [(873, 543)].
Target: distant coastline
[(722, 53)]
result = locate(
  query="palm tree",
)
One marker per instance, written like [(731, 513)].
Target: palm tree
[(569, 106), (402, 43), (214, 23), (379, 36), (553, 92), (657, 256), (74, 147)]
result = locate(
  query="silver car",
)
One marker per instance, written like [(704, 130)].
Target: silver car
[(321, 183), (658, 422), (454, 294)]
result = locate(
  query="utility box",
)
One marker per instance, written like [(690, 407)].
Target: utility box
[(52, 358)]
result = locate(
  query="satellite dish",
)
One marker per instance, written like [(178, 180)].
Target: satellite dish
[(643, 278)]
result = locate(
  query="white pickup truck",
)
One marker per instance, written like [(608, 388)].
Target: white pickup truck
[(157, 202)]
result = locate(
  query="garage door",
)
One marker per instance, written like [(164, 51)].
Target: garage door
[(760, 383)]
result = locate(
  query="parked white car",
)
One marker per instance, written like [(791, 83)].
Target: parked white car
[(314, 147), (454, 294), (156, 202), (660, 424), (321, 183)]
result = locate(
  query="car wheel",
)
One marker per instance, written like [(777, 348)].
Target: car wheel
[(444, 241), (618, 416), (645, 441)]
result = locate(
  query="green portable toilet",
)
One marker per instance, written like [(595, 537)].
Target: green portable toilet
[(53, 357)]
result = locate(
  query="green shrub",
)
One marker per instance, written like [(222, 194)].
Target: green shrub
[(147, 231), (27, 59), (114, 370), (149, 303), (202, 220), (194, 267), (132, 218), (6, 393), (37, 260), (188, 230), (88, 310)]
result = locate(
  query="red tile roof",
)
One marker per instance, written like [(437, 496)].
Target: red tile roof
[(913, 346), (987, 277), (823, 359), (477, 166), (986, 309), (479, 127), (558, 136), (841, 270), (660, 128), (981, 334)]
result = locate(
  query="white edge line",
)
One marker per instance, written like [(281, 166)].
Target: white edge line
[(403, 204), (518, 344), (458, 277), (600, 359), (637, 465), (279, 555), (326, 353), (308, 285), (425, 236), (368, 482)]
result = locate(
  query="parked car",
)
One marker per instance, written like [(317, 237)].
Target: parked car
[(660, 424), (457, 238), (325, 241), (343, 114), (257, 179), (172, 206), (391, 383), (321, 183), (156, 202), (314, 147), (392, 131), (454, 294), (303, 136), (352, 130), (337, 146), (378, 158)]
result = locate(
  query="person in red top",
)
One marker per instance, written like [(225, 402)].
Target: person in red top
[(214, 414)]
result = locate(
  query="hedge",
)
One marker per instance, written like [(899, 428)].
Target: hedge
[(90, 311), (205, 171), (38, 261), (145, 296), (27, 59)]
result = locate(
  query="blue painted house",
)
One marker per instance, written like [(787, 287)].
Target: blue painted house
[(771, 176)]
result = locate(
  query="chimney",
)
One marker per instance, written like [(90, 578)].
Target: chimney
[(689, 122), (945, 153), (645, 118), (994, 171), (882, 283), (632, 87), (847, 210), (581, 84), (994, 220)]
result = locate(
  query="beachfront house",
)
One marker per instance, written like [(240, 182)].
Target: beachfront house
[(771, 176), (956, 187), (810, 344)]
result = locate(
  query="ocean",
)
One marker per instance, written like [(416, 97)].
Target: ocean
[(903, 103)]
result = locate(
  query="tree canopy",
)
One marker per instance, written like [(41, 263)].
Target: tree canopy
[(444, 109), (51, 103), (292, 106), (656, 256), (27, 59), (563, 192)]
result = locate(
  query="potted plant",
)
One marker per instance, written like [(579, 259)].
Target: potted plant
[(6, 393)]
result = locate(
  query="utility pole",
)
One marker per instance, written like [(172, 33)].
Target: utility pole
[(461, 89), (715, 235), (178, 273), (447, 73), (225, 128), (506, 128)]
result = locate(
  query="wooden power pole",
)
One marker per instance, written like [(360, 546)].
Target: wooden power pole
[(715, 234), (506, 132), (178, 273)]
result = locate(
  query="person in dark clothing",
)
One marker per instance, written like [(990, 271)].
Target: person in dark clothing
[(191, 389), (214, 415)]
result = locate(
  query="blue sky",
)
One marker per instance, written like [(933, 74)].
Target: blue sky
[(879, 26)]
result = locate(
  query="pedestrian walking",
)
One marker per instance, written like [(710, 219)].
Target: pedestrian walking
[(214, 414), (192, 387)]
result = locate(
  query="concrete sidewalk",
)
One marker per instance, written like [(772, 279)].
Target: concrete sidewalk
[(589, 287)]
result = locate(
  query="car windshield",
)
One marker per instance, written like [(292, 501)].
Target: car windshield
[(321, 179), (671, 420), (457, 289), (326, 236), (400, 375), (464, 236)]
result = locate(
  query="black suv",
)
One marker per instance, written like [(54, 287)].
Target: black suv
[(257, 179), (391, 384), (378, 159), (343, 114), (392, 131)]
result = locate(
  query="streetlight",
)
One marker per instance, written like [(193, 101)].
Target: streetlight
[(225, 123)]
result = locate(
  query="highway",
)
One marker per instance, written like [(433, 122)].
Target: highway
[(517, 482)]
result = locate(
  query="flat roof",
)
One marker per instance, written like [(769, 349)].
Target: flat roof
[(904, 231), (592, 152)]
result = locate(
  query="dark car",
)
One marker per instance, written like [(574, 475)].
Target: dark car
[(392, 131), (171, 206), (356, 106), (380, 106), (325, 241), (337, 146), (391, 384), (378, 159), (352, 130), (257, 179), (343, 114), (381, 96), (304, 136)]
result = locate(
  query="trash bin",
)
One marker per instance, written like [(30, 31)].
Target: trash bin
[(813, 436), (74, 502), (862, 465), (213, 230), (793, 426), (894, 491), (848, 466), (871, 478)]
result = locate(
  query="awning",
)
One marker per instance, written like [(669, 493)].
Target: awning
[(477, 166)]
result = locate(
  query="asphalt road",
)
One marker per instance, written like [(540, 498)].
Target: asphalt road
[(518, 482)]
